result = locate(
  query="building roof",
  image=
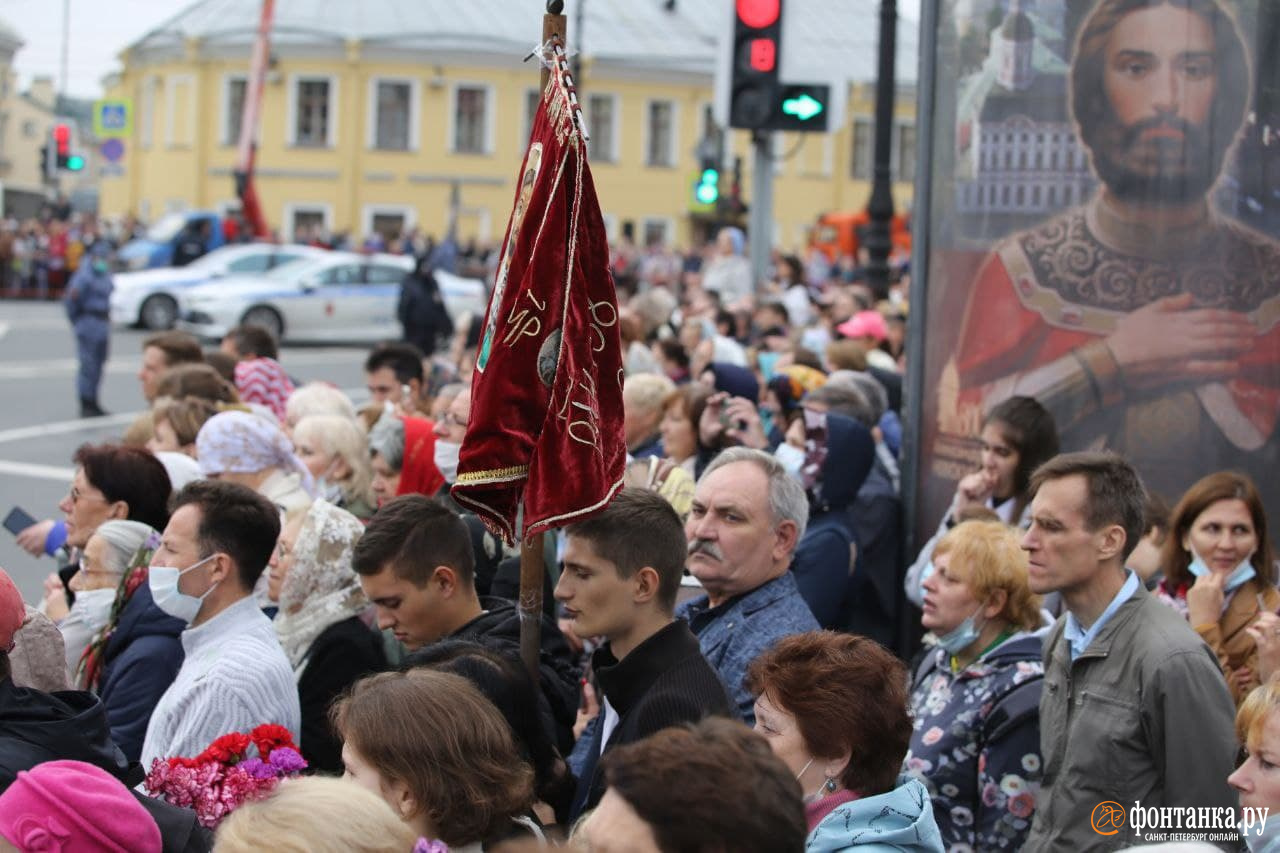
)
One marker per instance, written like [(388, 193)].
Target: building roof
[(836, 34)]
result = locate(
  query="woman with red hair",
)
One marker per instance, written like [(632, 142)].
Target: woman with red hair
[(833, 707)]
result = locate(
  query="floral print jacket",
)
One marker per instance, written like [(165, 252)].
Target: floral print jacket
[(976, 743)]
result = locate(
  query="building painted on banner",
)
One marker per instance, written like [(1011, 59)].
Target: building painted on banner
[(373, 111)]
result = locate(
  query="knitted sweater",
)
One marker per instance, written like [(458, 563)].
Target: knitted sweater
[(234, 677)]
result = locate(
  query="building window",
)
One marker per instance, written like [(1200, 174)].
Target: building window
[(28, 129), (309, 223), (657, 232), (233, 109), (470, 130), (389, 226), (393, 107), (863, 149), (532, 98), (600, 115), (311, 123), (661, 149)]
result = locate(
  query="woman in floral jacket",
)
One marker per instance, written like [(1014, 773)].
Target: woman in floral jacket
[(976, 696)]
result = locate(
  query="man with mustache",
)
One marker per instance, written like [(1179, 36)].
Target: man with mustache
[(1145, 320), (747, 515)]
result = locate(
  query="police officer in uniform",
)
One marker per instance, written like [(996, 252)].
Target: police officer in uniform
[(88, 301)]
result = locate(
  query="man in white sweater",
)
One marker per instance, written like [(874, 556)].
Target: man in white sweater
[(235, 675)]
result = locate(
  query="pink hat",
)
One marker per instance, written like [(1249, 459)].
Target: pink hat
[(71, 807), (864, 323), (12, 611)]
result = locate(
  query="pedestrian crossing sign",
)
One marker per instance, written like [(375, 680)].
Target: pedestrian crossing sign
[(112, 119)]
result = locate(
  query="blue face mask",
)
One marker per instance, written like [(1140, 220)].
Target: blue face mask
[(962, 636), (1239, 576)]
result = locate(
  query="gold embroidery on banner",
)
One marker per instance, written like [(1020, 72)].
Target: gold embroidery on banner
[(493, 475)]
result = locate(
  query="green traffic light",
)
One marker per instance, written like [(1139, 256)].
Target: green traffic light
[(75, 163), (804, 107), (707, 193)]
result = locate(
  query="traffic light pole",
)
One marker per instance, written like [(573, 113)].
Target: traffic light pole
[(760, 222)]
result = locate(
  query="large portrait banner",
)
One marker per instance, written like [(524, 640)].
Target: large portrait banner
[(1104, 234)]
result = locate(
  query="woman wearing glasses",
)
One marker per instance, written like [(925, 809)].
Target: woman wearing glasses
[(111, 482)]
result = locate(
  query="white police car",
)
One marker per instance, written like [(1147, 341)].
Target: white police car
[(341, 296), (149, 298)]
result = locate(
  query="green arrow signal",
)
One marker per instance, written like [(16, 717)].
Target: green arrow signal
[(804, 107)]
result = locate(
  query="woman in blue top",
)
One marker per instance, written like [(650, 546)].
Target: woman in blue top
[(976, 695)]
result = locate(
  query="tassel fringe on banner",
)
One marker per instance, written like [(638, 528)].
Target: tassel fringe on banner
[(552, 55)]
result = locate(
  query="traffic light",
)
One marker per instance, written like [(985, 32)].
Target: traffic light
[(707, 190), (62, 146), (753, 81), (802, 107)]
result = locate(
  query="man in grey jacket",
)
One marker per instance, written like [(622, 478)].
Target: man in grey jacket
[(1134, 709)]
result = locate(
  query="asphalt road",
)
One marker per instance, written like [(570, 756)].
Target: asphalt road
[(40, 427)]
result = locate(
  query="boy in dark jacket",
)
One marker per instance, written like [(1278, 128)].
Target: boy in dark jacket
[(622, 571)]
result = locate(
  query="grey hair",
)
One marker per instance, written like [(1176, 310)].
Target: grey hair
[(787, 499), (124, 539), (318, 398), (870, 387), (387, 440), (844, 398)]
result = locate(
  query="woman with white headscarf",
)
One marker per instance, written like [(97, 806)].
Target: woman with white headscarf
[(137, 651), (248, 449), (319, 624)]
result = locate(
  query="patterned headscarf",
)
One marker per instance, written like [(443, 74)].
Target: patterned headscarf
[(321, 587), (243, 443), (263, 381)]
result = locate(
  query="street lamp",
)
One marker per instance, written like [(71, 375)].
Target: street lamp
[(880, 208)]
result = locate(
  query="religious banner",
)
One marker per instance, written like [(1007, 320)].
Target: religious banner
[(545, 436), (1103, 223)]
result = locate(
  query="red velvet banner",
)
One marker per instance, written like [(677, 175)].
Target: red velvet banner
[(546, 398)]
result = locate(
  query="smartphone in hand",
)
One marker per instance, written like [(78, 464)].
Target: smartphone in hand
[(18, 520)]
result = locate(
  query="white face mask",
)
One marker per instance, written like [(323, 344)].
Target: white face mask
[(791, 458), (446, 459), (92, 608), (163, 581)]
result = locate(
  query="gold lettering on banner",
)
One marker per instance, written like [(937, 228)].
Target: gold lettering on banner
[(598, 323), (581, 411), (524, 322)]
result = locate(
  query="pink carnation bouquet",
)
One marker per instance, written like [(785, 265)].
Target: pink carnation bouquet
[(224, 776)]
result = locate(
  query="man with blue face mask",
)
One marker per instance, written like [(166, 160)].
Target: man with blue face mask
[(235, 675), (88, 304)]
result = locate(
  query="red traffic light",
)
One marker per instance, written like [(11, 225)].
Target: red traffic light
[(62, 138), (758, 13), (764, 54)]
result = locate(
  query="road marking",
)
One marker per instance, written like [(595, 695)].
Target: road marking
[(39, 472), (4, 329), (64, 427)]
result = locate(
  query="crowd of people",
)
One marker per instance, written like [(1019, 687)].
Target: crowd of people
[(730, 653)]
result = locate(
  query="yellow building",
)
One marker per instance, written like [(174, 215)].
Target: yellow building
[(373, 110)]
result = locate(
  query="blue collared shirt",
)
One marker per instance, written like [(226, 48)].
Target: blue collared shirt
[(734, 634), (1079, 639)]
